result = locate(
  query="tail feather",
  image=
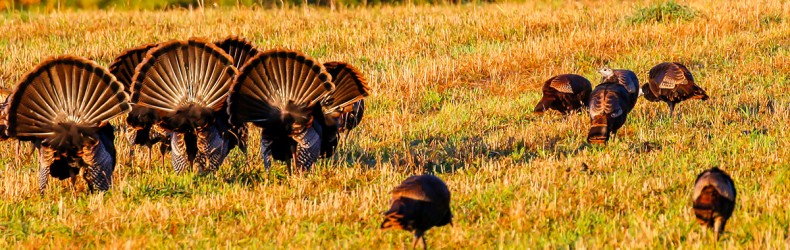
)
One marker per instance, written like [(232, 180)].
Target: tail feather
[(123, 67), (397, 216), (238, 48), (599, 131), (278, 89), (63, 98), (183, 82), (699, 93), (350, 85)]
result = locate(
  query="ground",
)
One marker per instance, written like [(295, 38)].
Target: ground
[(453, 89)]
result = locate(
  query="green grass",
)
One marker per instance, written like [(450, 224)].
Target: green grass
[(663, 12), (453, 89)]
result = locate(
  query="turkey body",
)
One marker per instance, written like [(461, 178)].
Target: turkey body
[(672, 83), (419, 203), (610, 104), (296, 102), (564, 93), (714, 199)]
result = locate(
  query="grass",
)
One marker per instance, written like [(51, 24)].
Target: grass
[(663, 12), (453, 90)]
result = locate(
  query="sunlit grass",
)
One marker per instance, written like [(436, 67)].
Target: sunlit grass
[(453, 87)]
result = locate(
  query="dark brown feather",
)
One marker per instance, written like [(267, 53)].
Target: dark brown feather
[(123, 67), (240, 49), (564, 93)]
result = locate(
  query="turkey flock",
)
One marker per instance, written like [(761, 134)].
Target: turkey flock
[(196, 99)]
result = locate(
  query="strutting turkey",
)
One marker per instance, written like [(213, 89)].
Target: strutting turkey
[(564, 93), (609, 108), (140, 129), (186, 84), (281, 92), (672, 83), (418, 204), (63, 106), (346, 105), (241, 50), (714, 199)]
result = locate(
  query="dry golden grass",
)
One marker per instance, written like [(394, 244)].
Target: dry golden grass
[(453, 90)]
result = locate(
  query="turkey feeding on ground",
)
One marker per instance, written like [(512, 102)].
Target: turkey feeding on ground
[(564, 93), (418, 204), (714, 199), (64, 106), (672, 83)]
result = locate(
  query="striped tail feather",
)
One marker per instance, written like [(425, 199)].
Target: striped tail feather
[(238, 48), (350, 85), (123, 67), (64, 94), (277, 90), (184, 83)]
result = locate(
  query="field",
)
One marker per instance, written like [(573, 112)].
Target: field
[(454, 87)]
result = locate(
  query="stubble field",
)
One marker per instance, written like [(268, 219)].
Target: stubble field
[(453, 89)]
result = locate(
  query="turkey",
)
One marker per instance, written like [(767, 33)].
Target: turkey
[(241, 50), (672, 83), (140, 127), (714, 199), (346, 104), (623, 77), (418, 204), (610, 104), (185, 84), (564, 93), (63, 106), (281, 91)]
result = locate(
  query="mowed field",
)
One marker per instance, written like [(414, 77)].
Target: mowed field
[(453, 90)]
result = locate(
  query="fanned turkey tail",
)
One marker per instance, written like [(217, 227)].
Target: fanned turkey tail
[(63, 106), (140, 121), (185, 84), (281, 91), (344, 108), (240, 49), (346, 104)]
